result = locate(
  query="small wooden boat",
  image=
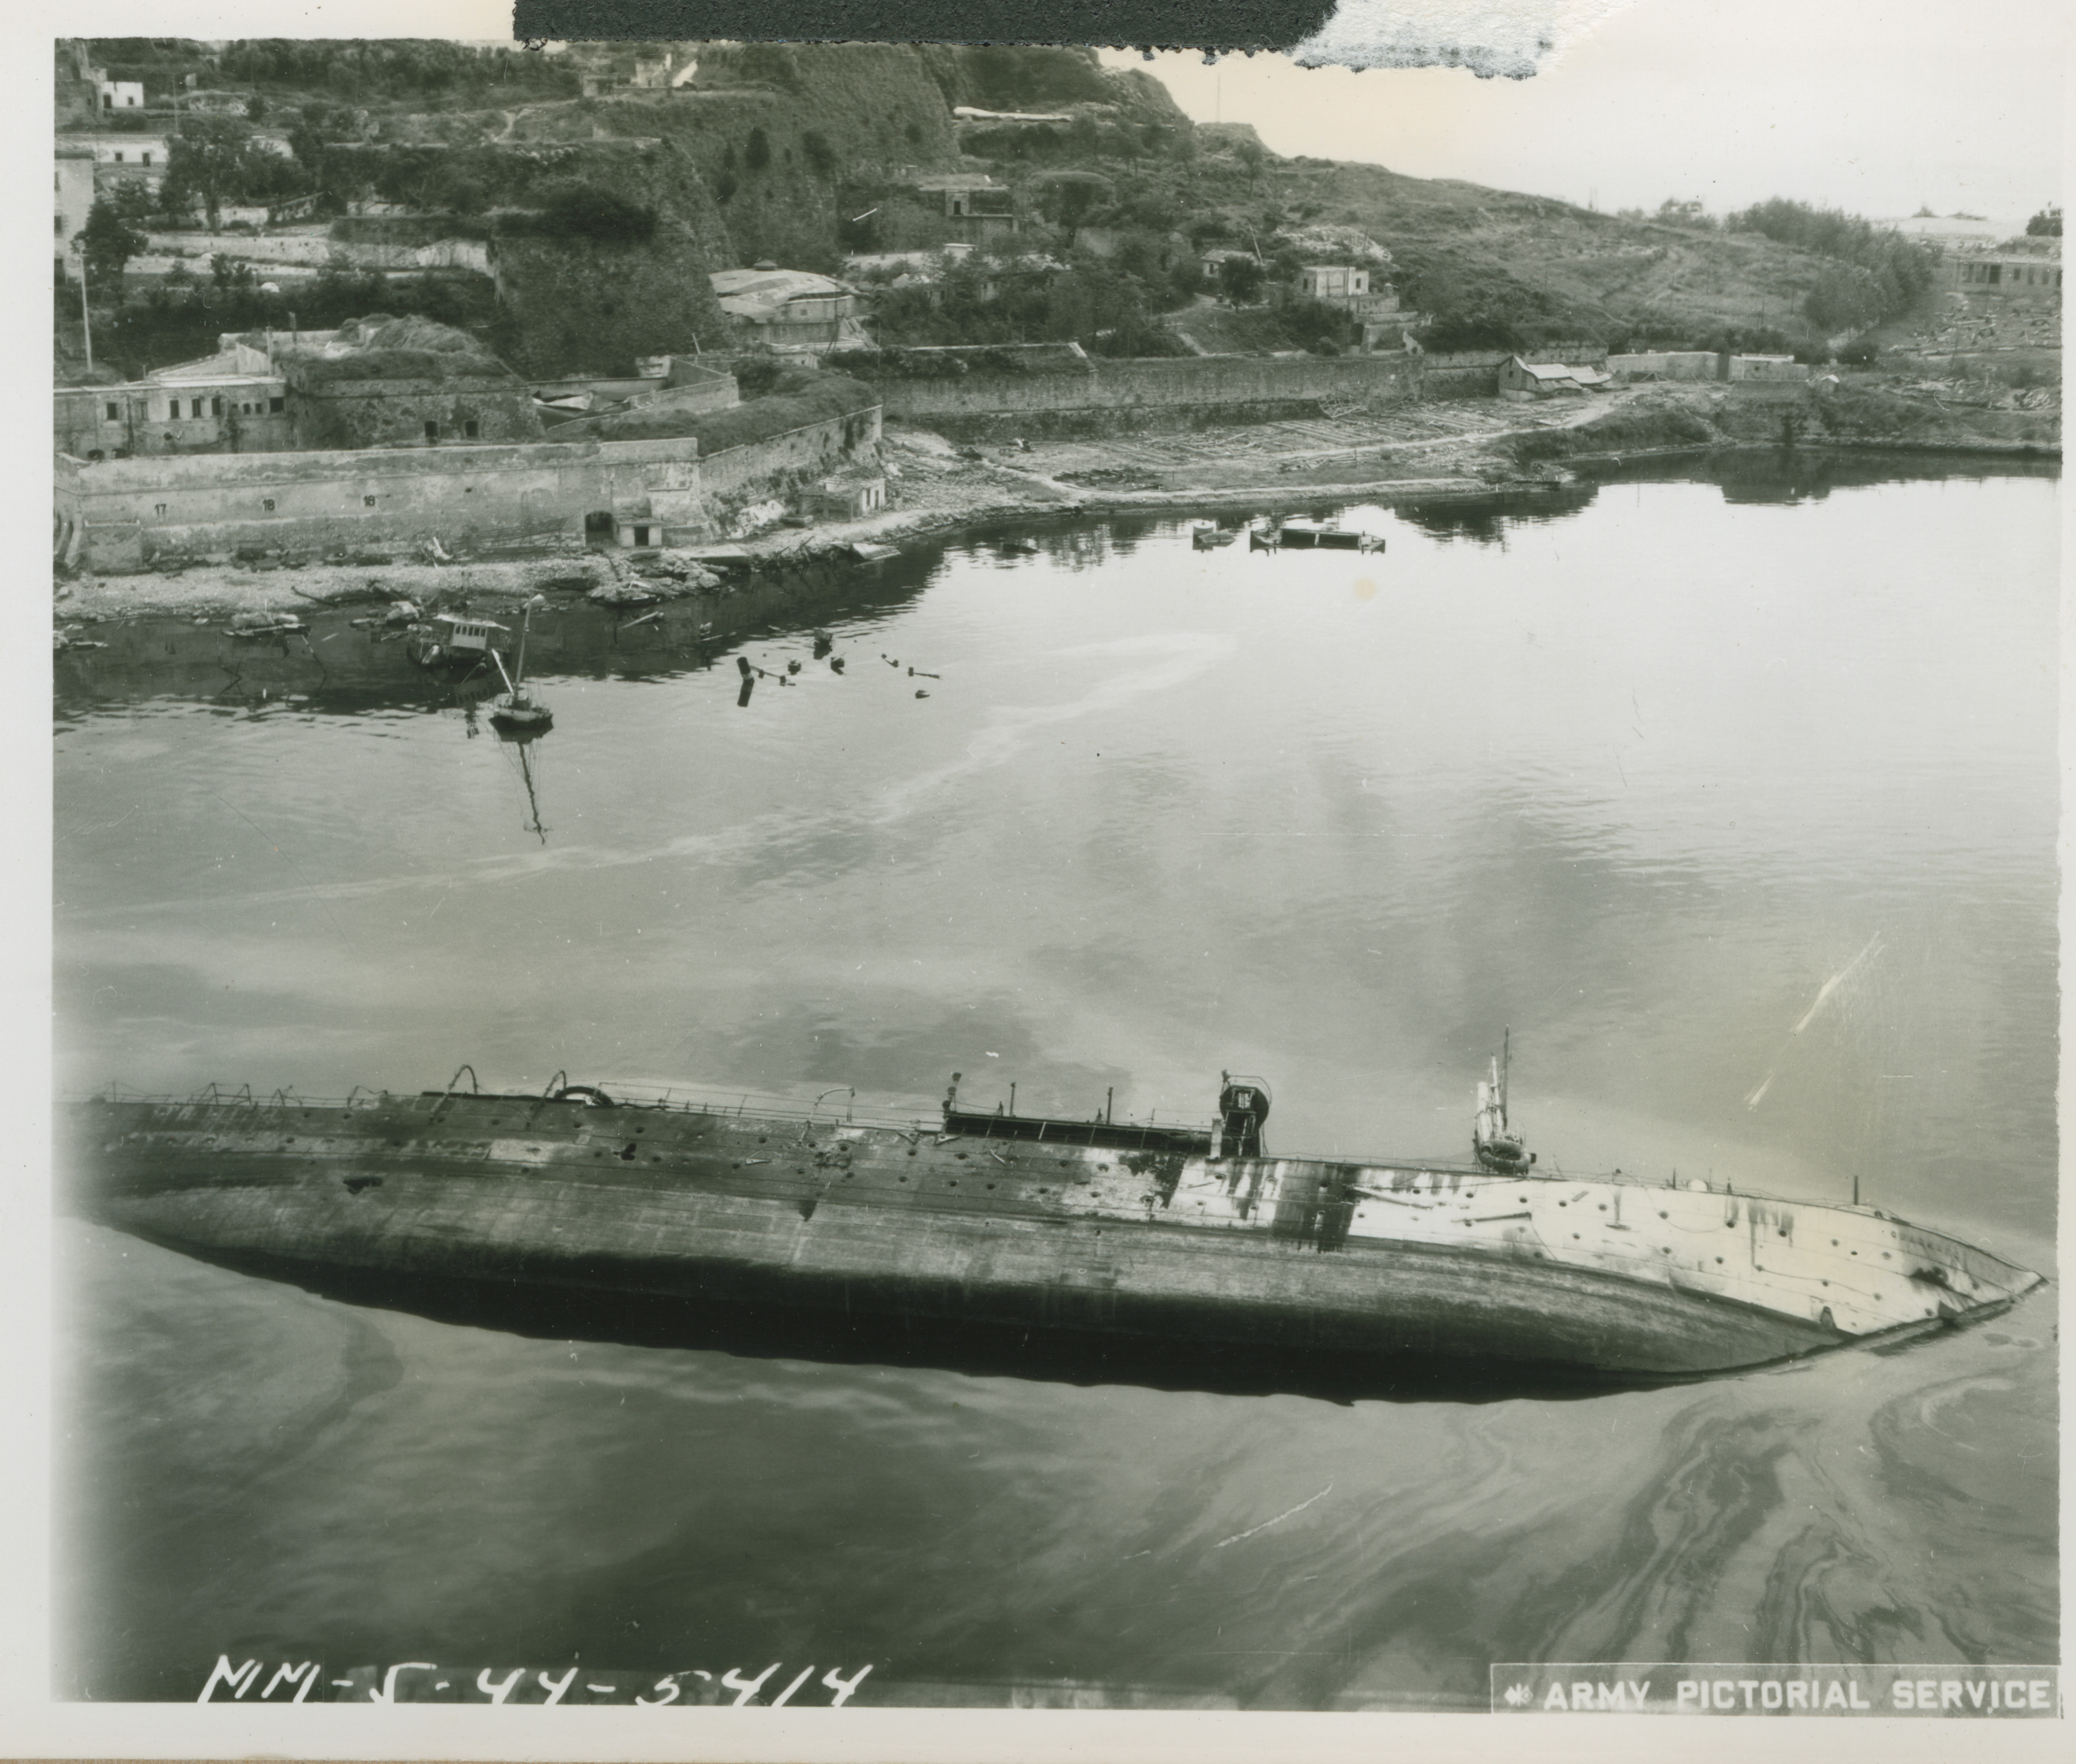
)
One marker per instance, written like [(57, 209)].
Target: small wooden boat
[(1264, 536), (1208, 536), (866, 552)]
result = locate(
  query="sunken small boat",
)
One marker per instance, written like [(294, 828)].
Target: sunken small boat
[(1183, 1254)]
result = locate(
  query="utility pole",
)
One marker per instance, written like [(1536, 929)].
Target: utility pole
[(85, 323)]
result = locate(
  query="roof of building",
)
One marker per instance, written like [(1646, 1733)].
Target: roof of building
[(763, 294), (1546, 370)]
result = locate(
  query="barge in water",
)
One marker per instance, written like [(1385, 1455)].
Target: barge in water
[(1176, 1254)]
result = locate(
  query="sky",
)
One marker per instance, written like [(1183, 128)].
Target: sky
[(1875, 106)]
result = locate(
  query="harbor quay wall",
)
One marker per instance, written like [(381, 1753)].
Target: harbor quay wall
[(1184, 392), (117, 516)]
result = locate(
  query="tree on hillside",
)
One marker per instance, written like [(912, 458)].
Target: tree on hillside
[(1844, 298), (1068, 198), (1239, 280), (203, 164), (213, 160), (2046, 224), (107, 245)]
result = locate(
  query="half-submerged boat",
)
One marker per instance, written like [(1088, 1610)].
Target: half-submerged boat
[(1176, 1253), (1497, 1145), (452, 640), (1329, 535)]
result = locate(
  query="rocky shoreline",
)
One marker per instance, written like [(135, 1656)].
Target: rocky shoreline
[(943, 491)]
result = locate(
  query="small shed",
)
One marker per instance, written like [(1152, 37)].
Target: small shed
[(1545, 379), (849, 495)]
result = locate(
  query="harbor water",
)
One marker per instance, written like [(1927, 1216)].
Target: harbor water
[(1637, 774)]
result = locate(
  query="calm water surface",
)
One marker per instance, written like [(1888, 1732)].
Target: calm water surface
[(1635, 779)]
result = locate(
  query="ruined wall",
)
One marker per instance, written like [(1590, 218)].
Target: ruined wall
[(815, 447), (128, 510), (343, 413), (1665, 364), (1183, 393)]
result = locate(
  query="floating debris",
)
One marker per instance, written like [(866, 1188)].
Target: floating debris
[(866, 552), (922, 695), (262, 624)]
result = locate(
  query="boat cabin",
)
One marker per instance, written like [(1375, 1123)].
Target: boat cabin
[(460, 636)]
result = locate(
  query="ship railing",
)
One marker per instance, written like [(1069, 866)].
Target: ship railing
[(841, 1106)]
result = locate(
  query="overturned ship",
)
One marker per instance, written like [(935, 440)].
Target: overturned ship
[(1183, 1254)]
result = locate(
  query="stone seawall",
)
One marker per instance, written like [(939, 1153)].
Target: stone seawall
[(118, 515)]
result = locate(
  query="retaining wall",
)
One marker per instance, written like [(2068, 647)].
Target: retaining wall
[(1185, 392), (310, 251)]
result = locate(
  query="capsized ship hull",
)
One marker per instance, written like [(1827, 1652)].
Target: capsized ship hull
[(848, 1239)]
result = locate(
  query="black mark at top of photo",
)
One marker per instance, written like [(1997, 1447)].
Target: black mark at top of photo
[(1204, 24)]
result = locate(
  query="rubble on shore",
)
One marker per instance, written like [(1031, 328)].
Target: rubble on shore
[(1424, 454)]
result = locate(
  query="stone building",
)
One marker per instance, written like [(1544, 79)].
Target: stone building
[(789, 308), (848, 496), (2013, 278), (121, 158), (231, 402), (400, 383), (1374, 309), (978, 215)]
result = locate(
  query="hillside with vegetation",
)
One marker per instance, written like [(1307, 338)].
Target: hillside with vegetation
[(607, 211)]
